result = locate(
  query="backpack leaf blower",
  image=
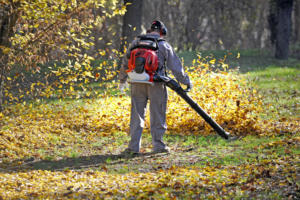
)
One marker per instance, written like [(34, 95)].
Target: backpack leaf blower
[(174, 85), (142, 68)]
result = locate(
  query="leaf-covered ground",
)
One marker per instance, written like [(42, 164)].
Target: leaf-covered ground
[(72, 150), (198, 168)]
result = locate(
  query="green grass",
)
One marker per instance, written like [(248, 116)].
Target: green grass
[(249, 60), (285, 78), (280, 89), (187, 151)]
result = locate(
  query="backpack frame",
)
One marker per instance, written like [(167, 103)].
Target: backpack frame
[(143, 62)]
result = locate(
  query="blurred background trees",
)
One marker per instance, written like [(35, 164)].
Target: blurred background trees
[(230, 24), (218, 25), (192, 24)]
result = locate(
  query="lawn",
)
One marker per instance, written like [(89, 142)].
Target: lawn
[(64, 150)]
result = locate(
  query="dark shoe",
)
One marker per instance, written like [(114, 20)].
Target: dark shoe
[(165, 150), (129, 152)]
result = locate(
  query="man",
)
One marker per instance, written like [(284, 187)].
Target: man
[(157, 93)]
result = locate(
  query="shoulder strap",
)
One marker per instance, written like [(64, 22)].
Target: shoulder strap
[(148, 42), (149, 37)]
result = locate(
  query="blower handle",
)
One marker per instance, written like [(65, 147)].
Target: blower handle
[(171, 83)]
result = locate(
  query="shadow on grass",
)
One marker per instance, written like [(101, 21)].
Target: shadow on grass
[(181, 144), (81, 162)]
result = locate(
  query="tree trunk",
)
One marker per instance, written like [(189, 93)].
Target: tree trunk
[(273, 20), (192, 25), (2, 77), (4, 24), (8, 17), (283, 28), (132, 21), (297, 22)]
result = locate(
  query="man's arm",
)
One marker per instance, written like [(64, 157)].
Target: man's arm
[(174, 64)]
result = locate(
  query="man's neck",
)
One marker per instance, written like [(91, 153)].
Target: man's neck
[(155, 33)]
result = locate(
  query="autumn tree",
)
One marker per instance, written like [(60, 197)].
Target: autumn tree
[(35, 32)]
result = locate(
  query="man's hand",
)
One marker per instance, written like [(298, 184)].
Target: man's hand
[(189, 87)]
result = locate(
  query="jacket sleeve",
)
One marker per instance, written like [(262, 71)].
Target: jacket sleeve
[(174, 64), (124, 65)]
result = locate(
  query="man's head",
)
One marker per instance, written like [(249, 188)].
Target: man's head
[(159, 27)]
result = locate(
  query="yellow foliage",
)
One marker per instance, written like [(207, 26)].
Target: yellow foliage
[(224, 96), (25, 130)]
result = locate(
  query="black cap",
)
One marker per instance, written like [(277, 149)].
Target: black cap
[(158, 25)]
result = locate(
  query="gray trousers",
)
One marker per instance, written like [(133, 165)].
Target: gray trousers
[(158, 96)]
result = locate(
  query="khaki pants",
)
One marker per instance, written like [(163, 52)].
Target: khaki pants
[(140, 94)]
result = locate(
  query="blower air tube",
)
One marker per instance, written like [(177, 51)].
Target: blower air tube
[(174, 85)]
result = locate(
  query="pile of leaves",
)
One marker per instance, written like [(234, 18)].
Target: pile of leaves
[(28, 127), (225, 97)]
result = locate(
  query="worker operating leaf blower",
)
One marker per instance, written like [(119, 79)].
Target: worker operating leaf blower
[(144, 66)]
